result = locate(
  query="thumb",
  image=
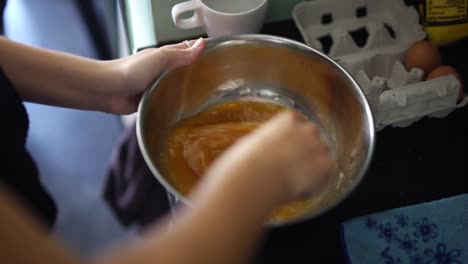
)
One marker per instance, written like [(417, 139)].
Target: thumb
[(154, 62), (183, 53)]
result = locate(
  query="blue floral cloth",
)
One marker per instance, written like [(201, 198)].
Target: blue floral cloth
[(431, 233)]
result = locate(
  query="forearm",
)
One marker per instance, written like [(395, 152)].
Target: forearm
[(225, 227), (231, 218), (22, 240), (54, 78)]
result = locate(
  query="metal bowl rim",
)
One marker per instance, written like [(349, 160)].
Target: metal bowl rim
[(270, 40)]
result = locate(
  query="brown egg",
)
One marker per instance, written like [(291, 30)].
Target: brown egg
[(423, 55), (444, 71)]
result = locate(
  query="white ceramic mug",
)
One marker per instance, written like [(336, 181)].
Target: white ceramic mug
[(222, 17)]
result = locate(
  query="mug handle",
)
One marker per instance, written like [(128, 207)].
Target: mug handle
[(192, 22)]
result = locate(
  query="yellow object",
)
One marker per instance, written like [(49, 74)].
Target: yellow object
[(444, 20)]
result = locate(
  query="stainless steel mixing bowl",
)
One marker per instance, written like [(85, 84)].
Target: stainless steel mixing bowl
[(253, 67)]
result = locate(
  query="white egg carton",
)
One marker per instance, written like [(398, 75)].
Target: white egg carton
[(397, 97)]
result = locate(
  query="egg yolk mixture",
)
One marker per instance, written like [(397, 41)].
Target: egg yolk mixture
[(194, 143)]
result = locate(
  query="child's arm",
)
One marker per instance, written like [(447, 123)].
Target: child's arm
[(62, 79), (282, 161)]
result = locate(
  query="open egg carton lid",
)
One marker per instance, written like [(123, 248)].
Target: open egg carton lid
[(369, 39)]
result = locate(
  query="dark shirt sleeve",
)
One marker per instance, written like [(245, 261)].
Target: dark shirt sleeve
[(2, 8), (18, 170)]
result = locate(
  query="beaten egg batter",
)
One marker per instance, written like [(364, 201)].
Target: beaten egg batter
[(194, 143)]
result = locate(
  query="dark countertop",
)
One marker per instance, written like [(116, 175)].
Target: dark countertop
[(419, 163)]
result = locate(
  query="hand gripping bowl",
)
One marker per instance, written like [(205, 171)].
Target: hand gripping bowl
[(278, 70)]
